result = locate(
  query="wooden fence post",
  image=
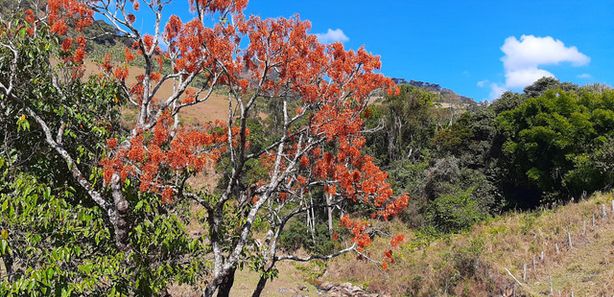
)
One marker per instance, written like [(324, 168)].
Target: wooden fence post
[(569, 239), (542, 256)]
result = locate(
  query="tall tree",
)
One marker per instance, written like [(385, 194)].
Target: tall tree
[(321, 90), (548, 141)]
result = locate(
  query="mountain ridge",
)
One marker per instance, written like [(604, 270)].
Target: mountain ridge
[(447, 96)]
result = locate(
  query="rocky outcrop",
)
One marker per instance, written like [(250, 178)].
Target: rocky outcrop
[(344, 290)]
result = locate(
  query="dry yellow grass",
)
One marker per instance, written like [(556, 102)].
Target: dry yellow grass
[(474, 263), (216, 108)]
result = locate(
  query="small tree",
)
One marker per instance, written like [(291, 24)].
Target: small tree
[(321, 91), (54, 238)]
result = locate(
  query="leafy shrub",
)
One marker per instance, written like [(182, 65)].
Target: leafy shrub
[(54, 246), (455, 212), (299, 236)]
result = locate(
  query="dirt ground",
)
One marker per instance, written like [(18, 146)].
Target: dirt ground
[(291, 282)]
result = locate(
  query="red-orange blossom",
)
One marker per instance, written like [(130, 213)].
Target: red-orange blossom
[(252, 59)]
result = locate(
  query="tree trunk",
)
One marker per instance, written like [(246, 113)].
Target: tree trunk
[(312, 225), (121, 206), (330, 215), (226, 284), (260, 286)]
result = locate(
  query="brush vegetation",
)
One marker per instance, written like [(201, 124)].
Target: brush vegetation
[(474, 262)]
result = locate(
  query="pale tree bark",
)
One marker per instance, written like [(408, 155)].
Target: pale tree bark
[(117, 212), (329, 211)]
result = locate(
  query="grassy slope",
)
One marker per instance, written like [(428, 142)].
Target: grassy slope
[(475, 263), (216, 108)]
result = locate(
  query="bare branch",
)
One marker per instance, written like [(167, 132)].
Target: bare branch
[(351, 248)]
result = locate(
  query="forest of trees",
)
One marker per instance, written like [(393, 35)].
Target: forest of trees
[(548, 145), (94, 203)]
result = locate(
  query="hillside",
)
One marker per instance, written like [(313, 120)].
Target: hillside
[(488, 260), (306, 172), (519, 254), (447, 97)]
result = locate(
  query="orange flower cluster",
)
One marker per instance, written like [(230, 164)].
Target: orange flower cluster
[(30, 16), (67, 44), (213, 6), (394, 207), (387, 259), (388, 255), (397, 240), (79, 53), (152, 156), (339, 82), (189, 96), (357, 228), (128, 55), (62, 11), (106, 64), (63, 15), (121, 73), (136, 5), (198, 47)]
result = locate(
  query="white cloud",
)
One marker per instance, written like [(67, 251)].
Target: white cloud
[(524, 77), (524, 60), (524, 57), (496, 91), (332, 36), (482, 83), (531, 51), (585, 76)]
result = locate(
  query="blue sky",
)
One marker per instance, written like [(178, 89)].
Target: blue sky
[(458, 43)]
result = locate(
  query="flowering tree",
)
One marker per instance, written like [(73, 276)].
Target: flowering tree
[(322, 90)]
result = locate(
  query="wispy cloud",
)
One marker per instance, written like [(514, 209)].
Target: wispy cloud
[(496, 91), (585, 76), (482, 83), (332, 35)]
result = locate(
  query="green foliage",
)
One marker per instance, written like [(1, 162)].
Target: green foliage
[(86, 111), (407, 123), (67, 246), (549, 141), (544, 84), (595, 170), (454, 212), (469, 138), (53, 245), (55, 241), (297, 235), (428, 159)]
